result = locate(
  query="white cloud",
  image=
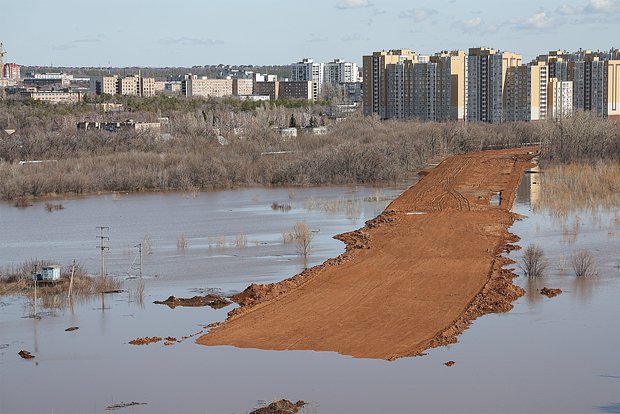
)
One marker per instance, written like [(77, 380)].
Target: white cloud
[(603, 6), (591, 7), (352, 4), (417, 14), (189, 41), (471, 24), (536, 21)]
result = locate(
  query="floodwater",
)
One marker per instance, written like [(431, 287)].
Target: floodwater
[(556, 355)]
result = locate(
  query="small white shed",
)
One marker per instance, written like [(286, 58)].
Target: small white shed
[(47, 274)]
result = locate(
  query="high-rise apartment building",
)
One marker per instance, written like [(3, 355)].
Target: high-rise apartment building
[(486, 86), (309, 71), (11, 71), (340, 71), (451, 85), (560, 98), (375, 86), (526, 92)]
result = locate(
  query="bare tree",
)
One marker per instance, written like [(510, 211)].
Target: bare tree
[(303, 237), (583, 264), (533, 262)]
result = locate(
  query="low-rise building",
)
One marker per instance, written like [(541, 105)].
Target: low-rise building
[(216, 88), (54, 97)]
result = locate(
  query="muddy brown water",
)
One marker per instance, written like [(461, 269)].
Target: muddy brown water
[(546, 355)]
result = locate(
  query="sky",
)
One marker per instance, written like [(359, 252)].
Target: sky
[(157, 33)]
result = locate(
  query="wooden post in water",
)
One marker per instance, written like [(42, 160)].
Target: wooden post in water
[(71, 280), (35, 298)]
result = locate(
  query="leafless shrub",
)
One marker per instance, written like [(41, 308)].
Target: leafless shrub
[(302, 237), (287, 237), (281, 206), (107, 284), (182, 242), (533, 263), (241, 241), (147, 244), (22, 202), (583, 264), (220, 241), (53, 207)]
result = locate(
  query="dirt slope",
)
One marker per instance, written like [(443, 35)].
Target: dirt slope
[(408, 281)]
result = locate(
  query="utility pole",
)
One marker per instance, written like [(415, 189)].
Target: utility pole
[(103, 246)]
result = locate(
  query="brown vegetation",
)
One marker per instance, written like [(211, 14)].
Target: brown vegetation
[(583, 264), (357, 150), (533, 262), (17, 280), (580, 186)]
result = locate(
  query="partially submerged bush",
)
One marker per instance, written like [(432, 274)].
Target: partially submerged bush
[(583, 264), (533, 262)]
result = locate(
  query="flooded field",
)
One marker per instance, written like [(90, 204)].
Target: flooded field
[(546, 355)]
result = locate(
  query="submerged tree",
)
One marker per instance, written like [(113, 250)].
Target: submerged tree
[(533, 262)]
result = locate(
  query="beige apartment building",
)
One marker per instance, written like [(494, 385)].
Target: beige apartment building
[(375, 86), (242, 87), (451, 84), (216, 88), (612, 71), (131, 85), (527, 92)]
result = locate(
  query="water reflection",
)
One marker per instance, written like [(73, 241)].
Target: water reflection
[(583, 288), (532, 290)]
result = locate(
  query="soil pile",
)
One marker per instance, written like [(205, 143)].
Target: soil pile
[(214, 301), (550, 292), (413, 278), (280, 407)]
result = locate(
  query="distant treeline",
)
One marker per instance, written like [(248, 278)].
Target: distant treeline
[(356, 150), (211, 71)]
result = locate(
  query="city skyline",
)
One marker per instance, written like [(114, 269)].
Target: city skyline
[(141, 33)]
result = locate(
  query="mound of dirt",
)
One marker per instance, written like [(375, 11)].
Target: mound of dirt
[(550, 292), (146, 340), (280, 407), (214, 301), (25, 354), (411, 279)]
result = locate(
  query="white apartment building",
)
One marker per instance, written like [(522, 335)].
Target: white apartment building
[(309, 70), (338, 72), (560, 98)]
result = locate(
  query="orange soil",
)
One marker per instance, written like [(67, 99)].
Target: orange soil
[(408, 281)]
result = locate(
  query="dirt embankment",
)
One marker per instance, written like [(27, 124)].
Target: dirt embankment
[(413, 278)]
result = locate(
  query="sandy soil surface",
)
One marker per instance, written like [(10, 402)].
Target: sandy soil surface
[(413, 278)]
